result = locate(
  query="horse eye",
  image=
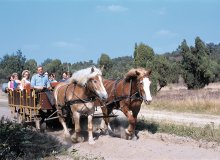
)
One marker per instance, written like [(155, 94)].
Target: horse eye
[(95, 81)]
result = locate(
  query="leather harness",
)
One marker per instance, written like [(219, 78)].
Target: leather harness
[(135, 96)]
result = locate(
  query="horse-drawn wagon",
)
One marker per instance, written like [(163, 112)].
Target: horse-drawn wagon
[(31, 105), (85, 90)]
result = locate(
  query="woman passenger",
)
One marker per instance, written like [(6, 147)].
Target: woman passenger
[(25, 79), (11, 82)]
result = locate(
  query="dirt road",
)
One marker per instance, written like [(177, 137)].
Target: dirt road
[(148, 146)]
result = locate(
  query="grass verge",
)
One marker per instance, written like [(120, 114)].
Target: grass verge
[(207, 133), (192, 101)]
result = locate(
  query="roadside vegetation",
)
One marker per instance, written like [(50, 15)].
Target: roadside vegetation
[(203, 101), (207, 133), (19, 142)]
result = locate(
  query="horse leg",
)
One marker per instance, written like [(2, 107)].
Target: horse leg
[(90, 130), (76, 136), (105, 121), (131, 120), (66, 131)]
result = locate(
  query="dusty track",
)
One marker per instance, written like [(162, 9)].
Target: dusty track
[(148, 146)]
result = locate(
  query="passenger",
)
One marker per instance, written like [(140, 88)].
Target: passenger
[(52, 77), (40, 80), (65, 77), (17, 82), (25, 79), (11, 82)]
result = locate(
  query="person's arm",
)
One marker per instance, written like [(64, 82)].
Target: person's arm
[(33, 81), (47, 82), (9, 86)]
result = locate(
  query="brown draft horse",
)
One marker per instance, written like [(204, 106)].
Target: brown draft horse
[(80, 93), (127, 94)]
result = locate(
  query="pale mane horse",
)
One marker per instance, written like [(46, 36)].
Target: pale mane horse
[(80, 92)]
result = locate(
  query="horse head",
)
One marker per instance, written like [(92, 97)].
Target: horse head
[(95, 84), (91, 78), (143, 82)]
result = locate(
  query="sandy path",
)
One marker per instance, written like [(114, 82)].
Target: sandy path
[(148, 146)]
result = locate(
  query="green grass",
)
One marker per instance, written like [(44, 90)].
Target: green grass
[(208, 133)]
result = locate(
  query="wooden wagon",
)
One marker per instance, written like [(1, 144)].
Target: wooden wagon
[(31, 106)]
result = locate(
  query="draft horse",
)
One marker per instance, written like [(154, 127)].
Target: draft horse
[(79, 93), (127, 94)]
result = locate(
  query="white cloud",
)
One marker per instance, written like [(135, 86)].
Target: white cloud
[(164, 32), (63, 44), (112, 8)]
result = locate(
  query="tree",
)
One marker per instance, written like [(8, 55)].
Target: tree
[(105, 61), (166, 70), (12, 63), (143, 54), (197, 64), (31, 65), (53, 66)]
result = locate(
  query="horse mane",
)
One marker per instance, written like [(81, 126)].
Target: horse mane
[(82, 76), (136, 72)]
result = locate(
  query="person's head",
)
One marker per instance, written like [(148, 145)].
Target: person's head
[(52, 76), (26, 74), (40, 70), (15, 76), (65, 75), (10, 78)]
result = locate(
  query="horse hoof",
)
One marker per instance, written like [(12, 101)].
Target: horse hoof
[(111, 133), (91, 141), (74, 138), (134, 138), (80, 139), (128, 132), (67, 135)]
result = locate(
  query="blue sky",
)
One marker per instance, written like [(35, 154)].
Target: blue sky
[(81, 30)]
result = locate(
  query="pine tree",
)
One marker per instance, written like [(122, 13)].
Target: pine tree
[(197, 64)]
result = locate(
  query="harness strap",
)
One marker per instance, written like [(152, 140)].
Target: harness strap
[(135, 96), (115, 91), (65, 99), (86, 100)]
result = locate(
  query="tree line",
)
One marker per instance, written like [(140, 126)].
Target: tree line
[(198, 65)]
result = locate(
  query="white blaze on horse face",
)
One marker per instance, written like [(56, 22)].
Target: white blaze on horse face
[(146, 85), (102, 92)]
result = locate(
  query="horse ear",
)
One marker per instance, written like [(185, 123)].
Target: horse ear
[(92, 69), (137, 73), (149, 72), (102, 68)]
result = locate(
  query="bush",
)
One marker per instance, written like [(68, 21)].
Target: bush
[(18, 142)]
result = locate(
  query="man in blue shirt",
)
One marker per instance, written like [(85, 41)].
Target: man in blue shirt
[(40, 80)]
